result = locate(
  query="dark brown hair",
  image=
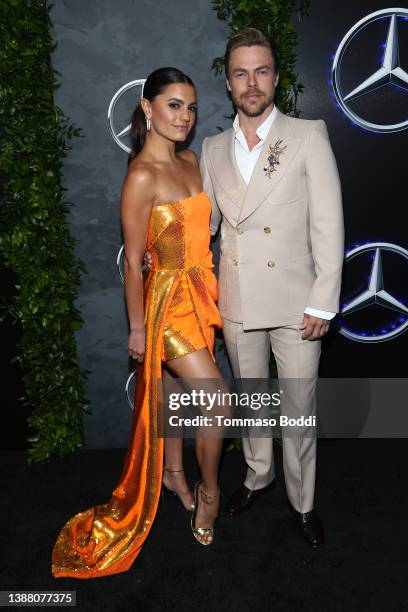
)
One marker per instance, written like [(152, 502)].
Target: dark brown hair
[(154, 85), (249, 37)]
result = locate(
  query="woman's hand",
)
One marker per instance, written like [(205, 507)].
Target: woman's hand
[(136, 345), (147, 260)]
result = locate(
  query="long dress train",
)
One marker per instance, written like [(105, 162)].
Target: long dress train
[(180, 292)]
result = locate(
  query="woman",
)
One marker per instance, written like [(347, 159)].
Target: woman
[(172, 316)]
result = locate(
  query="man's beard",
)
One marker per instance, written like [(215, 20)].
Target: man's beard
[(252, 110)]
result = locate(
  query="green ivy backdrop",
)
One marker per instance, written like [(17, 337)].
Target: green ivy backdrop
[(35, 241)]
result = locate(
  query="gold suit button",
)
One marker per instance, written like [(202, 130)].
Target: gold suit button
[(240, 230), (267, 230), (234, 262), (271, 263)]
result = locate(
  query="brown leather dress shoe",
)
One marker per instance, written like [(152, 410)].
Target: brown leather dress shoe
[(243, 498), (310, 526)]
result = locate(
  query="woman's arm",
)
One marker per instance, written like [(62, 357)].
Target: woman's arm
[(135, 208)]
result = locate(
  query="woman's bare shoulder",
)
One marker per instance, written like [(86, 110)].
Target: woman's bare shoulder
[(140, 182), (141, 172), (188, 155)]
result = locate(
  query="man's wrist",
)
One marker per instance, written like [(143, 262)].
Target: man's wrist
[(321, 314)]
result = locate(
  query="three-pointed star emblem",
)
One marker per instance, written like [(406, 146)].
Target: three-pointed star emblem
[(375, 293), (390, 71)]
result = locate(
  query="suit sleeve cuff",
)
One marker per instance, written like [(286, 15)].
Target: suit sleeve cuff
[(322, 314)]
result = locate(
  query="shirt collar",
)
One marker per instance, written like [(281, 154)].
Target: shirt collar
[(263, 129)]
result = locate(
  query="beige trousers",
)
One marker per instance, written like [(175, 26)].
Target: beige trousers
[(296, 360)]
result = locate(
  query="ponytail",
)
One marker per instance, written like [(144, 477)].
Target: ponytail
[(138, 132)]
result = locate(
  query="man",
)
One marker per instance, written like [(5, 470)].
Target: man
[(274, 186)]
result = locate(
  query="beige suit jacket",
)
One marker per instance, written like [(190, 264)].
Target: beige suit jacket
[(282, 238)]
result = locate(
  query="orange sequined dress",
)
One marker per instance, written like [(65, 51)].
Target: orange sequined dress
[(180, 292)]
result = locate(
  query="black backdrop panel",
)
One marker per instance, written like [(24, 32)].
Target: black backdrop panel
[(373, 169)]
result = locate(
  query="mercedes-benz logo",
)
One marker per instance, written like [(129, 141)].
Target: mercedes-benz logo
[(376, 293), (130, 389), (120, 265), (389, 72), (118, 134)]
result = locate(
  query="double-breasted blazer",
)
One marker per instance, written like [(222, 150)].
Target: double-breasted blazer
[(282, 236)]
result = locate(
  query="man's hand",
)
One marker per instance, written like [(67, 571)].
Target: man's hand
[(314, 327), (147, 260)]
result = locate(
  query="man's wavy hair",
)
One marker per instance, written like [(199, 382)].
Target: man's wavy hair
[(249, 37)]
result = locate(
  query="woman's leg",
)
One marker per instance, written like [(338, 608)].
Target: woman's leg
[(173, 472), (200, 364)]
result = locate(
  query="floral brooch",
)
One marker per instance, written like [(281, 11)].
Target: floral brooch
[(273, 157)]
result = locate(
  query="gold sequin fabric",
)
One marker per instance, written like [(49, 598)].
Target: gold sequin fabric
[(179, 240), (180, 292)]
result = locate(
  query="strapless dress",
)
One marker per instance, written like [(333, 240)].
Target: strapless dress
[(180, 291)]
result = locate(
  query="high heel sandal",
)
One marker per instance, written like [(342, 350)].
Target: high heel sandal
[(167, 490), (202, 532)]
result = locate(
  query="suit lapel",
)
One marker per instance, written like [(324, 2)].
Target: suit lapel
[(222, 157), (260, 186)]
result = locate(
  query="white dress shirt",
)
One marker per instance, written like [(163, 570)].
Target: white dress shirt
[(246, 161)]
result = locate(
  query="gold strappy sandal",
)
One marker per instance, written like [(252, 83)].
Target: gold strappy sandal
[(164, 488), (202, 532)]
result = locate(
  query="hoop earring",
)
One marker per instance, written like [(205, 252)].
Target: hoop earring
[(148, 124)]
